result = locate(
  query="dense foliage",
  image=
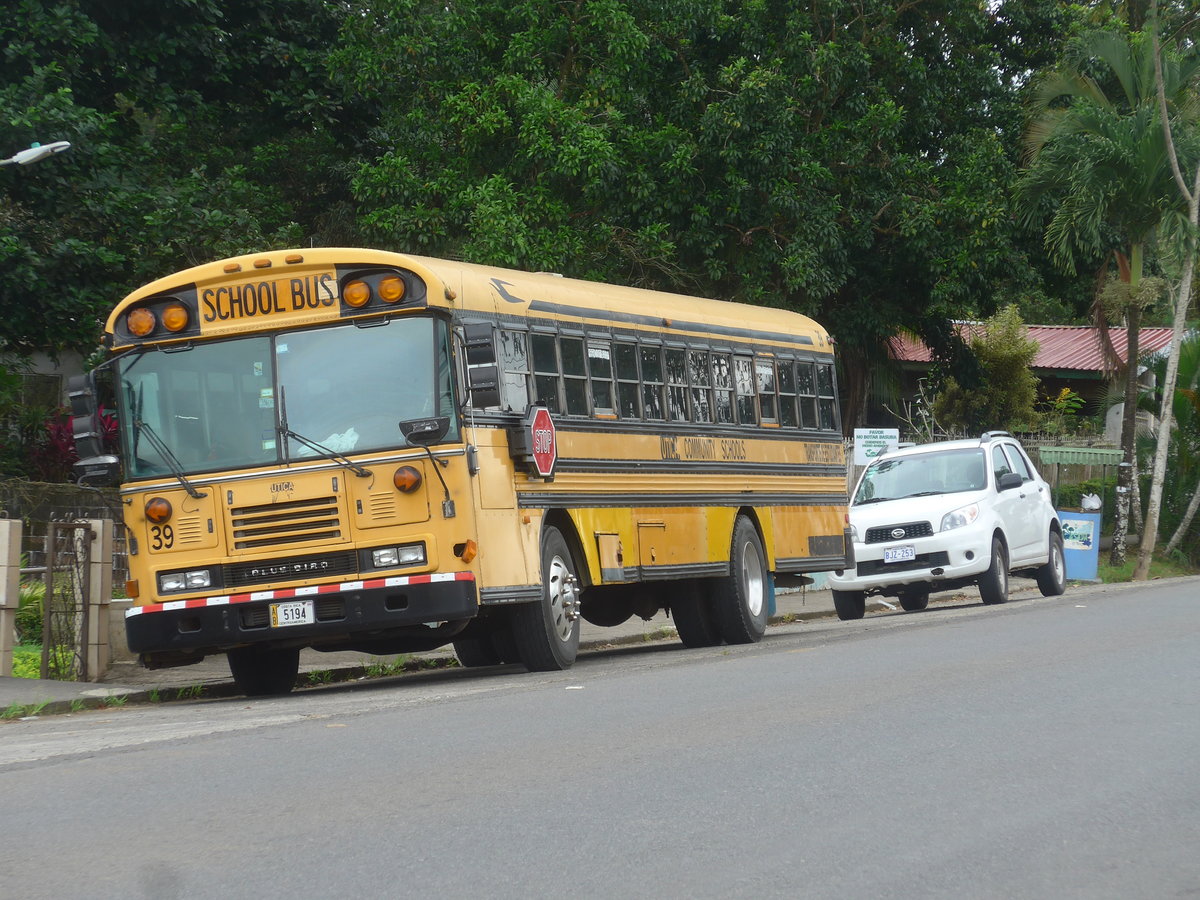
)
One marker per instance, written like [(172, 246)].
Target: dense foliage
[(852, 159)]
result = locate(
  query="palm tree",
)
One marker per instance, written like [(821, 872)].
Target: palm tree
[(1098, 155), (1186, 117)]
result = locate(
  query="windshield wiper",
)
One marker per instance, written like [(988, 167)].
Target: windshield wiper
[(285, 432), (164, 451)]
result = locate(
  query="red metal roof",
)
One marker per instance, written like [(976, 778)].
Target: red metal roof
[(1074, 347)]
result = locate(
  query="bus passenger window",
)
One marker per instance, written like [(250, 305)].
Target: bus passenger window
[(600, 370), (629, 391), (574, 376), (514, 364), (826, 401), (652, 382), (545, 371), (701, 379), (806, 387), (743, 370), (787, 393), (764, 370), (722, 387), (677, 400)]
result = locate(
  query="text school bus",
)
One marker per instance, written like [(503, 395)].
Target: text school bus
[(359, 450)]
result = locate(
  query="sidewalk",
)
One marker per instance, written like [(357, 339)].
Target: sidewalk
[(128, 682)]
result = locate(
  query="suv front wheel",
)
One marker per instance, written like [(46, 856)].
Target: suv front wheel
[(1052, 577), (993, 584)]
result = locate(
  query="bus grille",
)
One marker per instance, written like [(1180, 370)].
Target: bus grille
[(279, 524), (286, 569)]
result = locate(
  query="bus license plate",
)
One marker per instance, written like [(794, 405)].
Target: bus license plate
[(297, 612), (906, 553)]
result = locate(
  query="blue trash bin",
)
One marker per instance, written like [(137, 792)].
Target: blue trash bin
[(1081, 544)]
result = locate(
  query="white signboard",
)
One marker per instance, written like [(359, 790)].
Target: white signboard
[(870, 442)]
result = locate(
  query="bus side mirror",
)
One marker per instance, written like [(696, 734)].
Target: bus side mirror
[(423, 432), (480, 341), (95, 466), (483, 375), (85, 416), (101, 471), (484, 382)]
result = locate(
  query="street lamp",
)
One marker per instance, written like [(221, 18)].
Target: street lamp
[(35, 152)]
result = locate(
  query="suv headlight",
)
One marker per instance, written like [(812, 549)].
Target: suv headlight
[(964, 515)]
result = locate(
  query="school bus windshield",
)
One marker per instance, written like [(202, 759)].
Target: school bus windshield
[(222, 405)]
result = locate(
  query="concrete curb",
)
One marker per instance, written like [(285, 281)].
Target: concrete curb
[(115, 697)]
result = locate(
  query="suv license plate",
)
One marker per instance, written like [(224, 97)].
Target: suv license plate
[(297, 612), (906, 553)]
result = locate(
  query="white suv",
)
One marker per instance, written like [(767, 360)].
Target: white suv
[(940, 516)]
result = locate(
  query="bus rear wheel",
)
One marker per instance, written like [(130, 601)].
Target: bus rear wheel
[(264, 671), (693, 616), (546, 634), (487, 641), (741, 599)]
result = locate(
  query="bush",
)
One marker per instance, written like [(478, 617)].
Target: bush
[(1070, 496), (29, 612)]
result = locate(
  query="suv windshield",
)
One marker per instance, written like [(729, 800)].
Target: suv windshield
[(923, 474), (217, 406)]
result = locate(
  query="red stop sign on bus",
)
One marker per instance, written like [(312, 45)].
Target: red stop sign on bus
[(543, 442)]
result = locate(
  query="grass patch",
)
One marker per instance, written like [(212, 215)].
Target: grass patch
[(23, 710), (1160, 567)]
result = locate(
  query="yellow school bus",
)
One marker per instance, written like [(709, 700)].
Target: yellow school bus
[(355, 449)]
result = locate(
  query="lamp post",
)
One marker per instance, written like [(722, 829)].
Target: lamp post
[(35, 152)]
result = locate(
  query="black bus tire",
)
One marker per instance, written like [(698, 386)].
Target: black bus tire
[(741, 598), (693, 616), (546, 633), (264, 671)]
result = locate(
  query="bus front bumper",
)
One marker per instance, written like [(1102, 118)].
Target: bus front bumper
[(409, 613)]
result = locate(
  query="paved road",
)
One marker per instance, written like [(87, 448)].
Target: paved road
[(1044, 748)]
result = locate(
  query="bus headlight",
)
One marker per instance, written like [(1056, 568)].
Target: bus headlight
[(195, 580), (404, 555)]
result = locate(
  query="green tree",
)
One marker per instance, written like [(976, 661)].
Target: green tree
[(850, 160), (200, 130), (1007, 394)]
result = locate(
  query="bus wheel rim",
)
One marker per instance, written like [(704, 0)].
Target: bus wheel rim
[(752, 579), (564, 598)]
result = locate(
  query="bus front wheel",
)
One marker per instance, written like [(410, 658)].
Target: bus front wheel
[(546, 634), (263, 671), (741, 599)]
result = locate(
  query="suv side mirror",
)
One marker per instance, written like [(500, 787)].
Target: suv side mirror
[(1008, 481)]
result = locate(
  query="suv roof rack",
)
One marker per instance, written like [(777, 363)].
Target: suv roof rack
[(988, 435)]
